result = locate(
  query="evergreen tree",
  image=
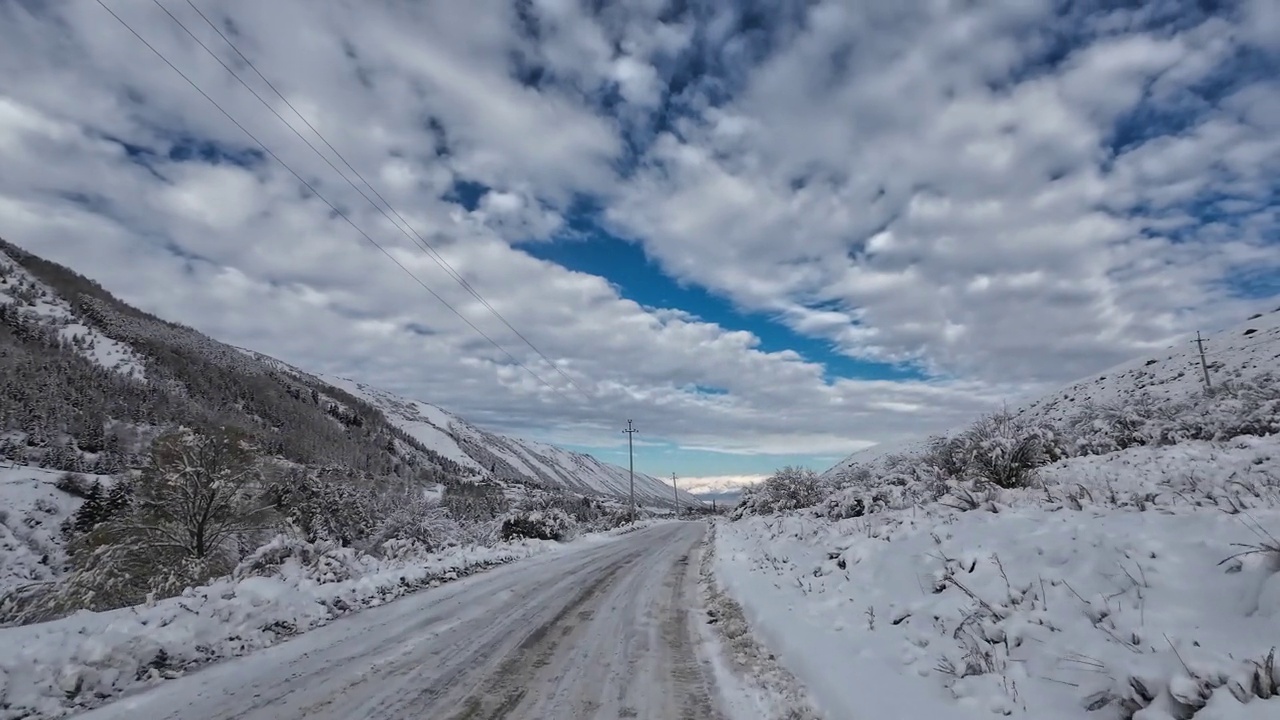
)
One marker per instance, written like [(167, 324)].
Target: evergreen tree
[(92, 511), (119, 500)]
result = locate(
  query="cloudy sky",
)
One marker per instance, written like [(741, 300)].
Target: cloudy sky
[(768, 232)]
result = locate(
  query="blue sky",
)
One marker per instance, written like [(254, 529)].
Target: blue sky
[(588, 247), (769, 232)]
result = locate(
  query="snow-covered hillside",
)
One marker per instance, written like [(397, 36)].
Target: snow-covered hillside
[(506, 457), (56, 314), (1110, 551), (31, 513), (26, 295), (1241, 351)]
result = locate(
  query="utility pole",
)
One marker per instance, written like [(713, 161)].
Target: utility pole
[(1204, 366), (631, 465), (675, 494)]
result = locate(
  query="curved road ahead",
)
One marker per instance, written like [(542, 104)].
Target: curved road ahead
[(598, 632)]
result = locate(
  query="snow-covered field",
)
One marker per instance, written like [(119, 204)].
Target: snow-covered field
[(1136, 584), (51, 669)]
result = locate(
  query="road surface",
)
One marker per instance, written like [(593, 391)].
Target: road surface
[(599, 632)]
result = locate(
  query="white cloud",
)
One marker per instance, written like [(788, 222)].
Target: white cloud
[(896, 180), (949, 213), (719, 483)]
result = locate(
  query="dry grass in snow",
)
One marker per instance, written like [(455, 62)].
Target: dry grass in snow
[(1141, 584)]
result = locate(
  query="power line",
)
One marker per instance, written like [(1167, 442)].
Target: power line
[(317, 193), (416, 238)]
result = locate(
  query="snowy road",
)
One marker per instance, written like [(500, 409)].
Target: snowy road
[(598, 632)]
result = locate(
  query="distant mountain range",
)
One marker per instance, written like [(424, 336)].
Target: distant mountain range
[(724, 498), (85, 379)]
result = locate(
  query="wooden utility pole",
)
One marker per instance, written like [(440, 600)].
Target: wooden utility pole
[(675, 494), (631, 465), (1204, 366)]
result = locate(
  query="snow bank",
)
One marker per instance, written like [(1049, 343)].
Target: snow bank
[(1105, 591), (56, 668), (751, 681)]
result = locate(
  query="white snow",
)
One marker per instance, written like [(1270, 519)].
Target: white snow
[(427, 424), (1143, 583), (751, 681), (31, 513), (53, 310), (598, 625), (104, 351), (50, 669), (1107, 580)]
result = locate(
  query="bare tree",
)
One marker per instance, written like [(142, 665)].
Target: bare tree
[(199, 493)]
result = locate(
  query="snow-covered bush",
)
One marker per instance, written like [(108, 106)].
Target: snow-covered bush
[(791, 488), (610, 520), (1235, 408), (321, 562), (550, 524), (74, 484), (332, 503), (964, 472), (1100, 428), (1228, 410), (484, 534), (1006, 451), (113, 572), (411, 516)]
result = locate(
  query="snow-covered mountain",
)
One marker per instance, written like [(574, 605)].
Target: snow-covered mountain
[(1239, 352), (83, 376), (507, 457)]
